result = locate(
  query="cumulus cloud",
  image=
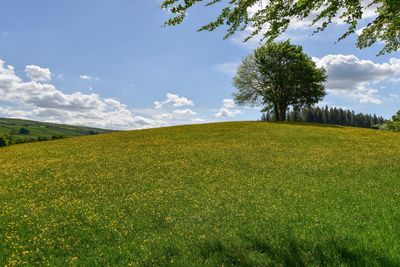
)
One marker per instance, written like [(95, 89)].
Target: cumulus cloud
[(177, 115), (228, 109), (162, 116), (353, 77), (36, 73), (184, 112), (173, 100), (38, 99), (43, 101)]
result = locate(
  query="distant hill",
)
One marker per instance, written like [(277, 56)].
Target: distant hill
[(223, 194), (31, 130)]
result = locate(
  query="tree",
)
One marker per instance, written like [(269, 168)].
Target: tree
[(278, 14), (394, 123), (279, 75), (3, 141), (24, 131)]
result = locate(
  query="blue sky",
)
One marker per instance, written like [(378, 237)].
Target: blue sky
[(106, 63)]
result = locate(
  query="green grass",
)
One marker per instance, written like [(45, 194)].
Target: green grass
[(43, 129), (231, 194)]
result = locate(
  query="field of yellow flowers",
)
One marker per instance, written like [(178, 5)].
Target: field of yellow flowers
[(242, 194)]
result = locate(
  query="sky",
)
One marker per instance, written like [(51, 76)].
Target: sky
[(111, 64)]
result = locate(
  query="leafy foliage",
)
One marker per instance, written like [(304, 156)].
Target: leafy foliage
[(278, 14), (337, 116), (3, 141), (394, 123), (226, 194), (23, 131), (279, 75)]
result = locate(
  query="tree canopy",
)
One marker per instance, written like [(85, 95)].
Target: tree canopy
[(279, 75), (275, 16), (394, 123)]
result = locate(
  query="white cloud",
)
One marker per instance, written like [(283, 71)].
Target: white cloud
[(85, 77), (229, 103), (228, 109), (353, 77), (227, 68), (36, 73), (178, 114), (162, 116), (184, 112), (224, 112), (158, 105), (173, 100), (42, 101), (88, 78)]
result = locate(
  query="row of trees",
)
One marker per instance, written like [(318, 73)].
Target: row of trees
[(7, 140), (337, 116)]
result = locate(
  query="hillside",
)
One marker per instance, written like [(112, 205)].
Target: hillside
[(243, 194), (42, 129)]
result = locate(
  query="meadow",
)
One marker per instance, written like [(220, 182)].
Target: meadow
[(224, 194)]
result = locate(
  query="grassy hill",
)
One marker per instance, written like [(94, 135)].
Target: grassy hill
[(243, 194), (42, 129)]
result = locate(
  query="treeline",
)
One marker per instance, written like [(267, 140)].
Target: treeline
[(337, 116), (7, 140), (24, 135)]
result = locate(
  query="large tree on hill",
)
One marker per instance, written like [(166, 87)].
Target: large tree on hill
[(272, 17), (279, 75)]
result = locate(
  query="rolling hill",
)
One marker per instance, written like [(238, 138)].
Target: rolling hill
[(43, 129), (225, 194)]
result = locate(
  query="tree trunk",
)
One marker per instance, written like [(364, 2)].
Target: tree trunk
[(280, 112), (283, 114), (276, 113)]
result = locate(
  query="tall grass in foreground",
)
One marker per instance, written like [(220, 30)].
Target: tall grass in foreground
[(244, 194)]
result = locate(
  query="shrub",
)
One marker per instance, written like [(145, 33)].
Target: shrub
[(56, 137), (3, 141), (24, 131), (394, 123), (42, 138)]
